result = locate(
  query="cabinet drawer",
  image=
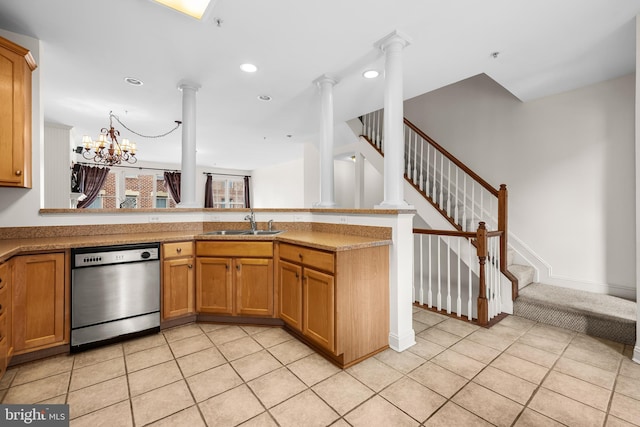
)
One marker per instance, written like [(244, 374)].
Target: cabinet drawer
[(235, 249), (178, 249), (307, 256)]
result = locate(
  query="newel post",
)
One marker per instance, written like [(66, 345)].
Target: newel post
[(503, 221), (483, 304)]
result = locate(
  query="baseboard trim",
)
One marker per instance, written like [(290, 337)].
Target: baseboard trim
[(402, 343)]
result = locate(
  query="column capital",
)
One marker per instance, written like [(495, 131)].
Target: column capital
[(325, 78), (188, 84), (391, 39)]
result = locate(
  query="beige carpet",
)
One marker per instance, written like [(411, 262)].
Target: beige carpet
[(597, 315)]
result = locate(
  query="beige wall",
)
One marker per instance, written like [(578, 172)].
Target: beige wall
[(568, 162)]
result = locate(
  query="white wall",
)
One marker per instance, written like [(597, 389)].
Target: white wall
[(568, 162), (344, 180), (279, 186)]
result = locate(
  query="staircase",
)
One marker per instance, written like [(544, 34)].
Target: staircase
[(462, 199)]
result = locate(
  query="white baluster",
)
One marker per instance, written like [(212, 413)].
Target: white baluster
[(415, 157), (456, 196), (422, 164), (441, 181), (473, 204), (439, 299), (482, 213), (464, 202), (448, 274), (421, 294), (489, 273), (426, 183), (449, 189), (469, 310), (499, 275), (407, 139), (430, 293), (459, 300)]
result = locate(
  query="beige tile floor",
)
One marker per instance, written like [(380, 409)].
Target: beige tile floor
[(518, 373)]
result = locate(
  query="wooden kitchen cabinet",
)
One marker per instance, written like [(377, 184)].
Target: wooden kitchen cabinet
[(234, 278), (39, 291), (336, 301), (178, 280), (307, 295), (16, 65), (6, 346)]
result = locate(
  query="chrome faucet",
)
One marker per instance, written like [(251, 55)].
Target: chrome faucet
[(270, 225), (252, 220)]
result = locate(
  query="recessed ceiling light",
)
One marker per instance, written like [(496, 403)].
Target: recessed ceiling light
[(193, 8), (133, 81), (248, 68), (370, 74), (264, 98)]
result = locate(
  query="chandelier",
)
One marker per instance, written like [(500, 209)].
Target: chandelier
[(108, 151)]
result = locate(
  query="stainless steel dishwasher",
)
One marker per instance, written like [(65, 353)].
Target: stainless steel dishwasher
[(115, 293)]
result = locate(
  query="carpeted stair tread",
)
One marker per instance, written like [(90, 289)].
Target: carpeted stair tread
[(524, 273), (598, 315)]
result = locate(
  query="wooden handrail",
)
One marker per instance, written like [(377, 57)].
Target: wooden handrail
[(454, 233), (450, 156)]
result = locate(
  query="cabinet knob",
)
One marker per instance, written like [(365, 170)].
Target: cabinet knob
[(300, 255), (18, 172), (190, 266), (297, 275), (179, 250), (238, 267)]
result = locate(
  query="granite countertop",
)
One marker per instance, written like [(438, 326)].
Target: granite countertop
[(315, 239)]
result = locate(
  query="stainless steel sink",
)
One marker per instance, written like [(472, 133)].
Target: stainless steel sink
[(228, 232), (244, 232), (264, 232)]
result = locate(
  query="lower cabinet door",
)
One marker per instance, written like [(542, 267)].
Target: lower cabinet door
[(38, 301), (254, 286), (178, 287), (214, 285), (319, 308), (290, 294)]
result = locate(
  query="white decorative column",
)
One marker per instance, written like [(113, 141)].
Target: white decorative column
[(359, 180), (401, 333), (393, 123), (188, 173), (327, 197)]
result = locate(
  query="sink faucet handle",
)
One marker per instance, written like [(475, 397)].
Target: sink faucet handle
[(270, 225)]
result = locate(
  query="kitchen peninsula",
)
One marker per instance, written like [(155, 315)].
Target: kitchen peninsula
[(325, 278)]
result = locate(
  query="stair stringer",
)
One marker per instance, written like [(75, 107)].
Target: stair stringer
[(433, 218)]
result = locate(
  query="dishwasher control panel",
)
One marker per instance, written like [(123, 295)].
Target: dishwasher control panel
[(87, 257)]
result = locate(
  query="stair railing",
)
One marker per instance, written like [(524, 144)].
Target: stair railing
[(456, 191), (447, 272)]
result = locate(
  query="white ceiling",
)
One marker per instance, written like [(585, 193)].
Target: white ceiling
[(88, 47)]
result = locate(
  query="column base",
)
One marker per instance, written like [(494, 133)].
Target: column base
[(402, 343), (188, 205), (394, 205), (325, 205)]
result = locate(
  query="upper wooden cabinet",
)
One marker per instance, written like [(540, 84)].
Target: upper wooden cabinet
[(16, 65)]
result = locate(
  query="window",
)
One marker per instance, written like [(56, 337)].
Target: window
[(123, 189), (161, 202), (228, 192)]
